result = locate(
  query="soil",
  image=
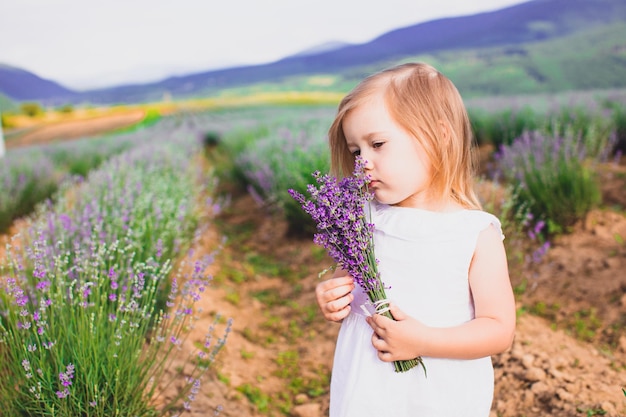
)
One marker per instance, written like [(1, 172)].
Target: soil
[(568, 357), (73, 129)]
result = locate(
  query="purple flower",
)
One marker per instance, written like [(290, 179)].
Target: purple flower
[(42, 285), (338, 208), (67, 376), (63, 394)]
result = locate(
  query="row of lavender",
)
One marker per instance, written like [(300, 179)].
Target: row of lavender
[(29, 175), (92, 312), (549, 169)]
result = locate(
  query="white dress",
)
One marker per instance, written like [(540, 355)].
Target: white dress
[(424, 257)]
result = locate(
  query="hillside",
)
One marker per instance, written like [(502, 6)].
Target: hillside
[(560, 64), (540, 45), (23, 85)]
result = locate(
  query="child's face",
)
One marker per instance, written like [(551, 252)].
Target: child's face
[(396, 161)]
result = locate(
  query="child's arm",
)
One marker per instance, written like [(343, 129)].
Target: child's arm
[(490, 332), (335, 295)]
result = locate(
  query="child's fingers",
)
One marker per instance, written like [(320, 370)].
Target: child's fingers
[(382, 347), (333, 289), (377, 323), (337, 310), (334, 297), (337, 315), (397, 314)]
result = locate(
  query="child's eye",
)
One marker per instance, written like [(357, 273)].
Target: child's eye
[(356, 152), (377, 144)]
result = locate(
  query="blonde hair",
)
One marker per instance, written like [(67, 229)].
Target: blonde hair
[(428, 106)]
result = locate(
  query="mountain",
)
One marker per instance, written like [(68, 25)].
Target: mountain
[(527, 38), (325, 47), (22, 85)]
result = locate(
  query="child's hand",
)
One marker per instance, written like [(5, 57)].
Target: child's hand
[(334, 297), (398, 339)]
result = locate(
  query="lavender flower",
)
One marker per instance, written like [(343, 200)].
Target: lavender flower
[(343, 228)]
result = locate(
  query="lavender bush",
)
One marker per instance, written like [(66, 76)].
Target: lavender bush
[(592, 125), (285, 159), (338, 209), (91, 315), (25, 180), (553, 176), (593, 128), (502, 127)]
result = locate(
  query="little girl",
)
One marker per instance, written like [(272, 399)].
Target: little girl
[(440, 256)]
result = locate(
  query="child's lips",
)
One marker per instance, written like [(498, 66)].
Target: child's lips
[(373, 183)]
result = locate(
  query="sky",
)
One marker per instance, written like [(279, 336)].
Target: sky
[(86, 44)]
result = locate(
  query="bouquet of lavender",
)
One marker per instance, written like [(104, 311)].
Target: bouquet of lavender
[(344, 230)]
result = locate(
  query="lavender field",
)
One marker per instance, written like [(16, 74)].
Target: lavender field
[(99, 294)]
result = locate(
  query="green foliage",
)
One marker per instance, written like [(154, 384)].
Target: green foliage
[(66, 108), (594, 131), (600, 131), (5, 120), (501, 128), (270, 297), (591, 412), (151, 118), (284, 158), (79, 158), (553, 176), (258, 398), (290, 369), (234, 144), (618, 112), (585, 324), (31, 109), (25, 181)]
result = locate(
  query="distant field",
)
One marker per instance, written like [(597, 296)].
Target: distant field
[(543, 102)]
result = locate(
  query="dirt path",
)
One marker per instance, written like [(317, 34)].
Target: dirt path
[(75, 129)]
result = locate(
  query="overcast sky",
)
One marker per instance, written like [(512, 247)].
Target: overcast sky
[(86, 44)]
